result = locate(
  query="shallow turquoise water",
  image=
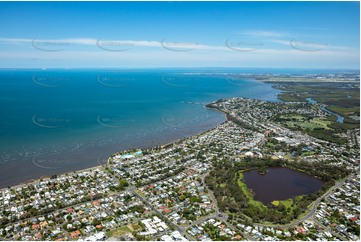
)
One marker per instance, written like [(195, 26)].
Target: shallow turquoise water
[(55, 121)]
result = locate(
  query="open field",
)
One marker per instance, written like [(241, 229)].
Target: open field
[(287, 203), (119, 232), (325, 128), (303, 122), (123, 230)]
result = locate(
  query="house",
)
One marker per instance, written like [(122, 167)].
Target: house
[(75, 234), (35, 226)]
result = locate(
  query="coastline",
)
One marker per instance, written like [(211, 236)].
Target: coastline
[(171, 142), (92, 163), (141, 120), (104, 180), (162, 145)]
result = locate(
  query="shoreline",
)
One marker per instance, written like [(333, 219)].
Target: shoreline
[(225, 118), (162, 145), (173, 142)]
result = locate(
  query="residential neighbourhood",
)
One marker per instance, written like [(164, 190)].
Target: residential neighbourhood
[(160, 193)]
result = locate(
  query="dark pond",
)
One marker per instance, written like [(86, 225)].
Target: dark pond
[(280, 183)]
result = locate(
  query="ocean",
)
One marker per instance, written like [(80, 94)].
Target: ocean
[(60, 120)]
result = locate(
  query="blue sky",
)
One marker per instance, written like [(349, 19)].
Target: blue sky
[(180, 34)]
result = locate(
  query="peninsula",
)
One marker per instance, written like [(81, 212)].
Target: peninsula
[(194, 189)]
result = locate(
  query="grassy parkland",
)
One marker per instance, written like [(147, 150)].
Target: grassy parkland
[(235, 198)]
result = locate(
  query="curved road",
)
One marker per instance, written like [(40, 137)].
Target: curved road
[(314, 206)]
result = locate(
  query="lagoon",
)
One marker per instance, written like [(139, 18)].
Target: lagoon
[(280, 183)]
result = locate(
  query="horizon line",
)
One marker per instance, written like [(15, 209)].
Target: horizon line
[(183, 67)]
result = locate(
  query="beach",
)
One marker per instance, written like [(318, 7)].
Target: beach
[(81, 121)]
